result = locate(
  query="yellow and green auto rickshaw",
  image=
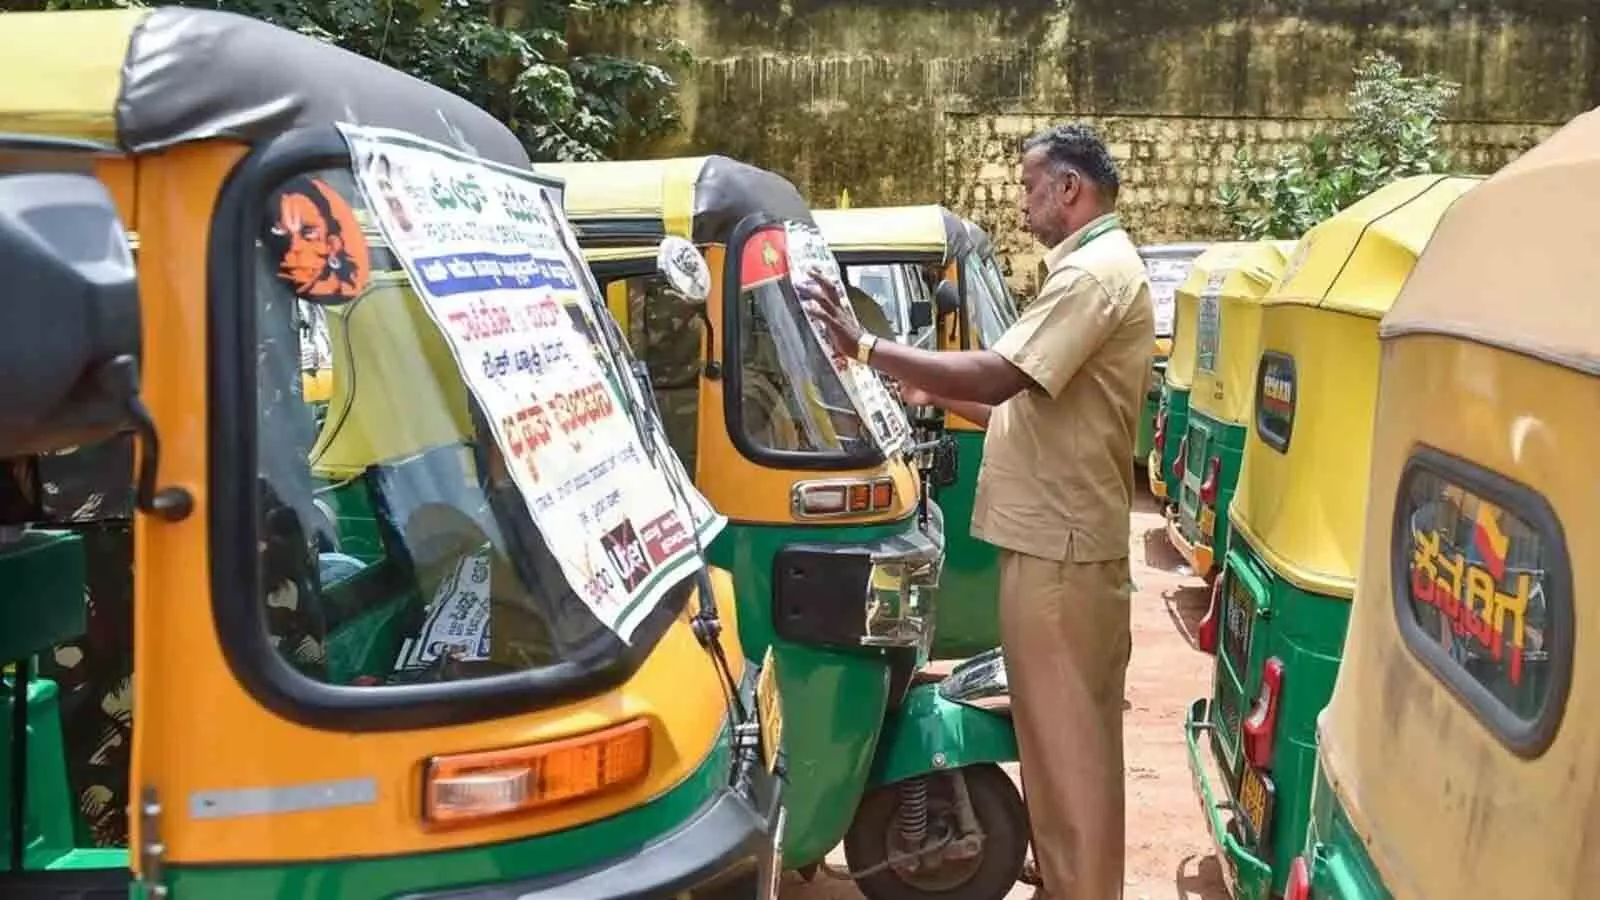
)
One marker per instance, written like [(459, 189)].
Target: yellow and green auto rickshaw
[(933, 245), (1281, 602), (993, 272), (1167, 267), (1456, 755), (1205, 467), (1177, 376), (902, 766), (240, 701)]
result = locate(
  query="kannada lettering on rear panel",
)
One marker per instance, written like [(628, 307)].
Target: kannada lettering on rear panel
[(494, 264), (887, 420), (1476, 580)]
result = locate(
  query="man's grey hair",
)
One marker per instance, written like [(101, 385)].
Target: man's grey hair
[(1078, 147)]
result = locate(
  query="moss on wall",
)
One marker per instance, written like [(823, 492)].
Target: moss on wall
[(908, 101)]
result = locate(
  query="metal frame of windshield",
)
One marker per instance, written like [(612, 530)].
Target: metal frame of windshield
[(733, 377), (236, 595)]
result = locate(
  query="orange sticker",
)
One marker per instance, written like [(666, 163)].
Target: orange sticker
[(315, 237)]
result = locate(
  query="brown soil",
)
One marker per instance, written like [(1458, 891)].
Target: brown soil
[(1169, 855)]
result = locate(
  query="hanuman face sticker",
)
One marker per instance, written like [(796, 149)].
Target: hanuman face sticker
[(315, 237)]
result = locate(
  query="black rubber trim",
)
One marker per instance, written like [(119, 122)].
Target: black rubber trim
[(237, 610), (888, 257), (617, 232), (733, 378), (1527, 738)]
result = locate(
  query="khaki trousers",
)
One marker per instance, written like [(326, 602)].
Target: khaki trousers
[(1064, 627)]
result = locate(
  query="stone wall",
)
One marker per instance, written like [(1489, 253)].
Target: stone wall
[(914, 101)]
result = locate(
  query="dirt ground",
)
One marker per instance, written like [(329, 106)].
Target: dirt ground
[(1169, 855)]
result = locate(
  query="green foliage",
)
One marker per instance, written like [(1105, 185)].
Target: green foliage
[(1392, 133), (509, 57)]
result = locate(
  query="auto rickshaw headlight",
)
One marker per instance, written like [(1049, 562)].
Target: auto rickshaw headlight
[(467, 788), (842, 497)]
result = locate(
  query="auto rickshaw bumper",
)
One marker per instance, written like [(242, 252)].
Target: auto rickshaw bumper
[(1153, 467), (731, 848), (1249, 877), (1200, 557)]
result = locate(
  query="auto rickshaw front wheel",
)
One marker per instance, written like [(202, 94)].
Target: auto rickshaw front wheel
[(917, 840)]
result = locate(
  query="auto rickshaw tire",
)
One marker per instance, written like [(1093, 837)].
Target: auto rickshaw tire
[(1000, 813)]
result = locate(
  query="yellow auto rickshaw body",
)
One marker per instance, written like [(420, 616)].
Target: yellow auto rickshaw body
[(1456, 756), (1281, 602), (252, 771), (1206, 463)]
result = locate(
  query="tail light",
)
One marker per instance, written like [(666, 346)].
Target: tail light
[(1161, 432), (1298, 887), (846, 497), (1206, 635), (1208, 487), (1181, 465), (1262, 724)]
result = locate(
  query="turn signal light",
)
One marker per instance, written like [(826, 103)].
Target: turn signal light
[(1181, 464), (1161, 432), (852, 497), (1261, 726), (466, 788), (1298, 887), (1208, 487)]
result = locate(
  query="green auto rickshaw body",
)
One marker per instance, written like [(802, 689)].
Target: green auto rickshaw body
[(1167, 266)]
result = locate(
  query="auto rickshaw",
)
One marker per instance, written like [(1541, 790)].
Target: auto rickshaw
[(1281, 602), (931, 238), (1456, 755), (1226, 307), (1167, 266), (471, 706), (903, 767), (1177, 375)]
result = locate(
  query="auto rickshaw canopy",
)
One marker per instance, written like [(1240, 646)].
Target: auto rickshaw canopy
[(1225, 330), (1218, 260), (701, 198), (929, 232), (1491, 354), (137, 81), (1300, 500)]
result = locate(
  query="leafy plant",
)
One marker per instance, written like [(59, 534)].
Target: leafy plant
[(1392, 133), (509, 57)]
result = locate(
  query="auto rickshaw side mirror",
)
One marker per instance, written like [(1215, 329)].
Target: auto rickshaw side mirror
[(69, 352), (921, 316), (685, 269)]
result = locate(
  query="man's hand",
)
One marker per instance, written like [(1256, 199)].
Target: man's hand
[(915, 396), (823, 302)]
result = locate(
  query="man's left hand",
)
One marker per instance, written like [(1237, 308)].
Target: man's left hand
[(822, 302)]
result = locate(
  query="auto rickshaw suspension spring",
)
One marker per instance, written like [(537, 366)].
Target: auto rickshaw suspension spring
[(914, 811)]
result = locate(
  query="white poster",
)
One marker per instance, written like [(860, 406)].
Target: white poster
[(1166, 276), (494, 263), (886, 418)]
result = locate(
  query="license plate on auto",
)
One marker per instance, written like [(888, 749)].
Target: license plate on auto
[(770, 709), (1256, 796), (1208, 521)]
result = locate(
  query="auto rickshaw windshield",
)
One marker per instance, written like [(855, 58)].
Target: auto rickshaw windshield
[(990, 316), (395, 522), (792, 397)]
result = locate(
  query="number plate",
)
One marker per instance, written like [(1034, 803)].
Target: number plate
[(1208, 522), (770, 708), (1256, 796)]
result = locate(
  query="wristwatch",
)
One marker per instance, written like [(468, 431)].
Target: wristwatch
[(864, 345)]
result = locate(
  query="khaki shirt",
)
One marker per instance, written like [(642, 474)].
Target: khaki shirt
[(1057, 474)]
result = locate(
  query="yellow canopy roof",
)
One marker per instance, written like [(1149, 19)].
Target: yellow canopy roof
[(1357, 260), (1516, 262), (929, 230)]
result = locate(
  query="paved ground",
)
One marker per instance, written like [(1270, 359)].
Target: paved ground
[(1169, 855)]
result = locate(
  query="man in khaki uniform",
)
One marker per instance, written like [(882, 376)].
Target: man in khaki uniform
[(1060, 393)]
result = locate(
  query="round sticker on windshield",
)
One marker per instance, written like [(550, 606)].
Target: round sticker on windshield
[(684, 267)]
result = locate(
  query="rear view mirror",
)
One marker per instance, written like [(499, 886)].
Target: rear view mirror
[(681, 264), (921, 315), (947, 297), (69, 348)]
